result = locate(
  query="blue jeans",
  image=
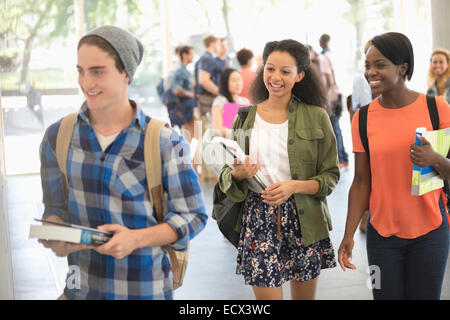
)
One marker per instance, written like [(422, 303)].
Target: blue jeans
[(409, 268), (342, 155)]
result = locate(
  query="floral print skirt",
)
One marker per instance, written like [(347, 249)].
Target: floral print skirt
[(266, 261)]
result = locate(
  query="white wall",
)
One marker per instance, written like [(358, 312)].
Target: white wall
[(6, 276), (440, 10)]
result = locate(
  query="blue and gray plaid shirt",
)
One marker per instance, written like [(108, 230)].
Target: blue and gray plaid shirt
[(110, 188)]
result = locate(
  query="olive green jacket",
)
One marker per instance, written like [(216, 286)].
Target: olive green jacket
[(312, 156)]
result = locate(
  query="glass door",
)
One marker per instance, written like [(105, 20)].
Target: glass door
[(27, 111)]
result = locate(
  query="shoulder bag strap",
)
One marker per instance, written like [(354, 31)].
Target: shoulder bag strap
[(363, 128), (434, 116), (243, 113), (433, 111)]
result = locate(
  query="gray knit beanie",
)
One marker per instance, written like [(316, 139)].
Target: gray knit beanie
[(127, 46)]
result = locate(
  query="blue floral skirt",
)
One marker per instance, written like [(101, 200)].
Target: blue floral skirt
[(266, 261)]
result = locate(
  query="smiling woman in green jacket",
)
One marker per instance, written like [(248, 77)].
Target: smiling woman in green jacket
[(285, 230)]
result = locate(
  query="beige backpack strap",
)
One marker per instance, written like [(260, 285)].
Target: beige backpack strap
[(153, 170), (63, 140)]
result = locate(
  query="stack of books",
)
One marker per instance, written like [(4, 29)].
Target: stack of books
[(427, 179)]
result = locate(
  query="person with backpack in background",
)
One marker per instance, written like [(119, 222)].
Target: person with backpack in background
[(334, 96), (34, 100), (163, 85), (181, 107), (106, 178), (407, 236), (284, 232)]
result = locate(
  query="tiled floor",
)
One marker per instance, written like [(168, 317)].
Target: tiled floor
[(38, 274)]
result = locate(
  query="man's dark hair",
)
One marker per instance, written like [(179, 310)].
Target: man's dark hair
[(184, 50), (103, 45), (208, 40), (324, 39)]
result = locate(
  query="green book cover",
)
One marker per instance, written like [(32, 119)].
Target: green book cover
[(427, 179)]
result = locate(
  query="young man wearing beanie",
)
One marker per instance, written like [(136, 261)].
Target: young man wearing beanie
[(107, 181)]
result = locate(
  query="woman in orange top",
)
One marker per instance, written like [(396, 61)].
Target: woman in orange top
[(407, 236)]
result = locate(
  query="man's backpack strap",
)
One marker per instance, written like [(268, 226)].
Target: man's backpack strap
[(363, 128), (153, 172), (63, 140)]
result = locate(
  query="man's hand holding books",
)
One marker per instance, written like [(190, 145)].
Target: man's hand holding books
[(62, 248)]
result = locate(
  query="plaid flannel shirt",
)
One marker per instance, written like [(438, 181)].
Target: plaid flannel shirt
[(110, 188)]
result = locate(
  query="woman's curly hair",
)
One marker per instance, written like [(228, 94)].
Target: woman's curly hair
[(310, 90)]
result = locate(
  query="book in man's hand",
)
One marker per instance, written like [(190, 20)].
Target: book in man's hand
[(224, 151), (73, 233)]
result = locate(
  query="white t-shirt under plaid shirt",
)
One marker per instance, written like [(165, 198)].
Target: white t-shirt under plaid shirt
[(109, 187)]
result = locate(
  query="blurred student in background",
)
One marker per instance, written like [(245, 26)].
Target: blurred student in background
[(181, 111), (439, 74), (229, 90), (246, 58)]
